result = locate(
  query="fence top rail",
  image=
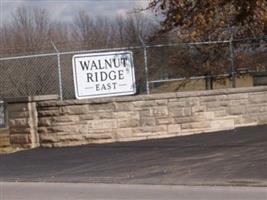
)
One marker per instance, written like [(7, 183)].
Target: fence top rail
[(27, 56), (128, 48), (101, 50)]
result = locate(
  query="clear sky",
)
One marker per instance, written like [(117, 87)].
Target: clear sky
[(64, 10)]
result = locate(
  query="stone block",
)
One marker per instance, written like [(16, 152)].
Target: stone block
[(65, 119), (144, 104), (88, 117), (74, 110), (176, 103), (45, 121), (42, 130), (262, 118), (216, 109), (236, 110), (127, 123), (249, 118), (180, 112), (19, 138), (258, 98), (208, 98), (49, 113), (47, 145), (223, 98), (96, 116), (210, 115), (102, 107), (135, 138), (161, 111), (162, 102), (124, 133), (104, 124), (20, 130), (22, 114), (198, 108), (70, 137), (124, 106), (239, 102), (51, 108), (192, 101), (227, 124), (23, 122), (150, 129), (216, 104), (174, 128), (148, 121), (148, 112), (195, 125), (240, 96), (220, 113), (255, 109), (126, 115), (18, 107), (180, 120), (99, 136), (48, 138), (164, 120)]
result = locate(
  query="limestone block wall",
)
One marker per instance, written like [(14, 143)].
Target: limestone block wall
[(77, 122), (22, 125), (23, 120)]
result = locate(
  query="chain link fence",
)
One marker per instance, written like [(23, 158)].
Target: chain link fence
[(158, 68), (27, 76)]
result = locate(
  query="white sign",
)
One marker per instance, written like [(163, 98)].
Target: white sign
[(103, 74)]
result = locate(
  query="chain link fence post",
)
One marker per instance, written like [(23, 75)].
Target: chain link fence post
[(146, 64), (233, 73), (59, 71)]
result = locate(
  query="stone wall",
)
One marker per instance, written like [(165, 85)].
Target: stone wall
[(4, 138), (23, 120), (46, 121), (77, 122)]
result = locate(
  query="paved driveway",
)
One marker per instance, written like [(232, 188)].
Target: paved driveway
[(236, 157)]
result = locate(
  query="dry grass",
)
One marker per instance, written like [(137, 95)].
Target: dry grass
[(196, 85)]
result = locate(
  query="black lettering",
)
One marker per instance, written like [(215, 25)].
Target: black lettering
[(103, 87), (108, 86), (97, 87), (96, 77), (108, 63), (93, 65), (85, 65), (90, 77), (103, 76), (116, 64), (114, 85), (112, 75), (121, 77), (124, 61), (100, 65)]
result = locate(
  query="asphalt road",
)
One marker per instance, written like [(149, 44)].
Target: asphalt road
[(77, 191), (236, 158)]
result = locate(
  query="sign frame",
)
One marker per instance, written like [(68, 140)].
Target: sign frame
[(107, 94)]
